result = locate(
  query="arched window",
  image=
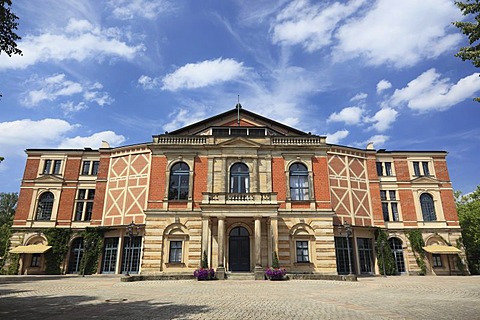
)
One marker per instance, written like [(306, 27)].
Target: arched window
[(239, 178), (397, 250), (299, 182), (76, 253), (428, 208), (45, 206), (179, 177)]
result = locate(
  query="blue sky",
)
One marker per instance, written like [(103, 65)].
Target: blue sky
[(356, 71)]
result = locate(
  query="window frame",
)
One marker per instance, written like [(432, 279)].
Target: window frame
[(427, 206), (437, 260), (299, 182), (390, 205), (84, 205), (90, 167), (35, 262), (302, 252), (52, 166), (179, 176), (175, 253), (45, 216), (239, 178)]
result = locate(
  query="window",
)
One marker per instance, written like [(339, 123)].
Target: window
[(299, 182), (175, 252), (52, 166), (365, 254), (397, 250), (35, 260), (45, 206), (179, 180), (426, 171), (110, 249), (76, 253), (416, 168), (388, 169), (428, 207), (84, 205), (302, 251), (437, 260), (90, 168), (342, 250), (131, 254), (239, 178), (389, 205)]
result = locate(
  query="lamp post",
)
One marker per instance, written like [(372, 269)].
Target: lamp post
[(348, 233), (132, 231)]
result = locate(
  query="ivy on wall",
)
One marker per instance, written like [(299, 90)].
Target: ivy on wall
[(416, 242), (385, 258), (93, 245), (58, 238)]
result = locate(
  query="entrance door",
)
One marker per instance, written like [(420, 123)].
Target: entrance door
[(239, 250)]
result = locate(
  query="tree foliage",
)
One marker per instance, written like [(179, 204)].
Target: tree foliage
[(385, 258), (58, 239), (471, 29), (8, 25), (8, 204), (468, 207), (417, 243)]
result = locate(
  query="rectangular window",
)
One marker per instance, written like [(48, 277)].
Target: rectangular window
[(388, 168), (132, 248), (86, 168), (345, 264), (35, 260), (437, 260), (379, 169), (110, 249), (365, 255), (426, 171), (95, 168), (47, 167), (389, 205), (395, 215), (383, 195), (392, 195), (56, 166), (385, 211), (416, 168), (302, 251), (175, 252), (90, 168), (84, 205)]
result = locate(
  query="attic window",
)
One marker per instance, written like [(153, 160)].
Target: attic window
[(239, 131)]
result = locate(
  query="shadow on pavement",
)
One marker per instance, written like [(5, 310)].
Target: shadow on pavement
[(88, 307)]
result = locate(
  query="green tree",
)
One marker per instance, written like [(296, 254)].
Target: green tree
[(385, 258), (468, 207), (8, 204), (8, 25)]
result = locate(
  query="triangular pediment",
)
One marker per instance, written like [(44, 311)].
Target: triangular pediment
[(239, 142), (425, 179), (49, 178), (237, 117)]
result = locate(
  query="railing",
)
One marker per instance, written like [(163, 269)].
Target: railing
[(298, 140), (180, 140), (239, 198)]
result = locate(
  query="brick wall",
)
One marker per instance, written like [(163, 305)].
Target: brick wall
[(200, 179), (157, 181), (279, 181), (321, 182)]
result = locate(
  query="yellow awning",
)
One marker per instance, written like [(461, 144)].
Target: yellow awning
[(442, 249), (33, 248)]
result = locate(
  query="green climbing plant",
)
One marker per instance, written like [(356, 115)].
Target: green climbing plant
[(58, 238), (416, 242), (93, 245), (385, 258)]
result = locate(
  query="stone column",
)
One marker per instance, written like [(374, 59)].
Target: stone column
[(221, 248), (259, 274)]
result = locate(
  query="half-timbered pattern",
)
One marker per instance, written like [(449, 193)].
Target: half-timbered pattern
[(240, 188)]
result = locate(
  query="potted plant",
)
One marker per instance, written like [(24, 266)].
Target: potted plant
[(275, 272), (204, 272)]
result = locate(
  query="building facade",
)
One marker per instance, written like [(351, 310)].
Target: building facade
[(240, 188)]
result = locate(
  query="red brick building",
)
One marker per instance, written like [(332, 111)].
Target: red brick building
[(239, 187)]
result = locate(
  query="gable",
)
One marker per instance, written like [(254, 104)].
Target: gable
[(425, 180), (237, 117), (239, 142), (49, 178)]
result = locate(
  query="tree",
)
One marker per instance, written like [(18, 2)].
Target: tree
[(468, 207), (8, 204), (472, 30), (8, 25)]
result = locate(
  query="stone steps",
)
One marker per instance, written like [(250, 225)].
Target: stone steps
[(240, 276)]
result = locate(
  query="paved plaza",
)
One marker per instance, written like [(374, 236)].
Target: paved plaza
[(106, 297)]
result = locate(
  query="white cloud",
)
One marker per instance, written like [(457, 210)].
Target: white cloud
[(148, 83), (334, 138), (22, 134), (130, 9), (57, 86), (202, 74), (93, 141), (183, 117), (378, 140), (78, 41), (401, 33), (431, 92), (383, 85), (359, 97), (348, 115), (310, 25), (383, 119)]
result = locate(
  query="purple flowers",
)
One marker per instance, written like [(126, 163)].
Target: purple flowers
[(204, 274), (275, 274)]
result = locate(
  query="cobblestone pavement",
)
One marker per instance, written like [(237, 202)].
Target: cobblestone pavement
[(105, 297)]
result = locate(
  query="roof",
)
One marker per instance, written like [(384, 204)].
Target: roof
[(34, 248), (442, 249)]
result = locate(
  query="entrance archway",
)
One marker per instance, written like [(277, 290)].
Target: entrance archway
[(239, 249)]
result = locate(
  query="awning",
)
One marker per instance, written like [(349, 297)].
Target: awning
[(442, 249), (33, 248)]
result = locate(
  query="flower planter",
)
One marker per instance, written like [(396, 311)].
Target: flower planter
[(275, 274), (204, 274)]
